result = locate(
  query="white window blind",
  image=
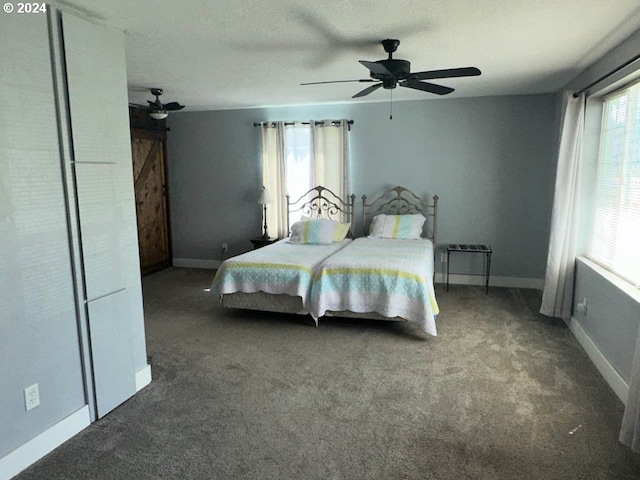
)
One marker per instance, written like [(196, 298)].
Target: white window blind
[(615, 240)]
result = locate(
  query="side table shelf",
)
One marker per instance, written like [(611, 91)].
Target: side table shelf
[(484, 249)]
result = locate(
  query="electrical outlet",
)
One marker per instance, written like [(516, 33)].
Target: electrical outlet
[(31, 397), (225, 247), (582, 306)]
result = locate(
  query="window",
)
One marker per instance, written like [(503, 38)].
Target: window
[(615, 239), (298, 163), (298, 156)]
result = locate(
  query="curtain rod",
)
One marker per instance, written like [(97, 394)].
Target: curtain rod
[(607, 75), (318, 122)]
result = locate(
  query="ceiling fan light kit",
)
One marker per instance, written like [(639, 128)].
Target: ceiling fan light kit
[(158, 110), (158, 114), (391, 72)]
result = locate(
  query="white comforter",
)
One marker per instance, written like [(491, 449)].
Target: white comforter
[(390, 277), (280, 268)]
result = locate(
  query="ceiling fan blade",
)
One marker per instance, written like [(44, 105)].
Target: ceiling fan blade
[(427, 87), (376, 68), (173, 106), (341, 81), (137, 105), (367, 90), (446, 73)]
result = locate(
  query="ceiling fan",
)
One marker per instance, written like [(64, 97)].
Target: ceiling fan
[(157, 109), (391, 72)]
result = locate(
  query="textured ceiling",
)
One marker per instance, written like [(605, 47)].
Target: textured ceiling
[(221, 54)]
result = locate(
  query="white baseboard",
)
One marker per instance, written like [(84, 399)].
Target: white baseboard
[(143, 378), (196, 263), (610, 374), (509, 282), (38, 447)]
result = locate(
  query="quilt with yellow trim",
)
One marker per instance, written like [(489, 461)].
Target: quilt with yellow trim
[(391, 277), (280, 268)]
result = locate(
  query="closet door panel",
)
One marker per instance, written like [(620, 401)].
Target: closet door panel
[(101, 220), (98, 97), (111, 349)]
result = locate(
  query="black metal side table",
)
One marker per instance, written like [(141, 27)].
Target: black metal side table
[(485, 249)]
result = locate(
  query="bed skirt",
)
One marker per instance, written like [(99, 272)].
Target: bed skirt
[(268, 302)]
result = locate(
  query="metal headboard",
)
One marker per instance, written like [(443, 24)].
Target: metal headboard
[(399, 201), (320, 202)]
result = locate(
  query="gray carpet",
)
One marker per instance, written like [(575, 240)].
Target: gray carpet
[(250, 395)]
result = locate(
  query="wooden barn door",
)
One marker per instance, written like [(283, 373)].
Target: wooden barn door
[(148, 151)]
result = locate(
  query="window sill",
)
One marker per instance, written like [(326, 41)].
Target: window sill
[(621, 283)]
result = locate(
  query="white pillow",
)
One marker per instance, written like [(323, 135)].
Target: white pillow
[(397, 226), (317, 231), (339, 234)]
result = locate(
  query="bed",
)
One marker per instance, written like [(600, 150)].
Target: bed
[(278, 277), (371, 277), (387, 274)]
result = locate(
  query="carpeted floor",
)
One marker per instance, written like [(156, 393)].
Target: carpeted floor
[(250, 395)]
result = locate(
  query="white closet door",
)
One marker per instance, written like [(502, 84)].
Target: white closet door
[(96, 76)]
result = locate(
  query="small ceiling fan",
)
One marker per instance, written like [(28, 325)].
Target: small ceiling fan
[(157, 109), (392, 72)]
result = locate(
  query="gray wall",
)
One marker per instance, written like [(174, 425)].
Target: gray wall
[(611, 319), (38, 329), (490, 160)]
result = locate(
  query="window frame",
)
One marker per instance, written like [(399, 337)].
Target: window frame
[(631, 139)]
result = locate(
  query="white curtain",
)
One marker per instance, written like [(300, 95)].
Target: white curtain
[(630, 431), (558, 283), (330, 156), (274, 174)]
